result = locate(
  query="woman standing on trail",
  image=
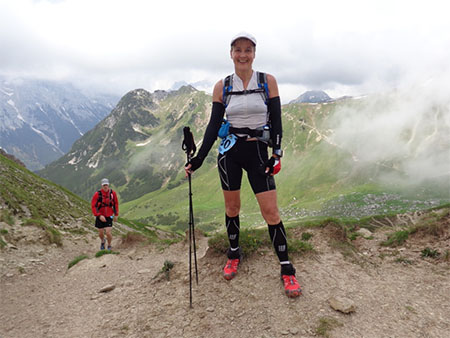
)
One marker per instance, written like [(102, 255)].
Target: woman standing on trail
[(252, 106)]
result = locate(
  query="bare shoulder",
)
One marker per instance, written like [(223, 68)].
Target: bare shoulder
[(218, 91), (273, 86)]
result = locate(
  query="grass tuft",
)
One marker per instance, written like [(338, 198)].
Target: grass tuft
[(76, 260), (298, 246), (427, 252), (105, 252), (326, 324), (306, 236), (396, 238), (250, 240), (6, 217)]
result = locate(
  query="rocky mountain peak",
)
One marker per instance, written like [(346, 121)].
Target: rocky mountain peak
[(312, 96), (135, 98), (186, 90)]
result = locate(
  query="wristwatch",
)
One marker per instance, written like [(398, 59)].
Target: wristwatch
[(278, 152)]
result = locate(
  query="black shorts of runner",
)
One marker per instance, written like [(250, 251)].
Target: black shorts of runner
[(100, 225), (247, 155)]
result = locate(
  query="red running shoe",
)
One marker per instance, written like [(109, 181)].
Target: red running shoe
[(291, 286), (230, 269)]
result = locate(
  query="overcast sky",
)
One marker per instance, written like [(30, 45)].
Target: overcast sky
[(342, 47)]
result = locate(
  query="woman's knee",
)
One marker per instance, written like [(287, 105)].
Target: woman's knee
[(232, 203), (232, 210), (271, 216)]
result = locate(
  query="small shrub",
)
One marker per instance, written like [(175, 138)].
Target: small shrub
[(306, 236), (2, 243), (76, 260), (168, 265), (352, 236), (3, 232), (427, 252), (251, 240), (397, 238)]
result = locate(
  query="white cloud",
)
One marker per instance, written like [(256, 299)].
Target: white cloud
[(124, 44)]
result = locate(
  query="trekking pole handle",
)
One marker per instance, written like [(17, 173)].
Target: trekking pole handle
[(188, 144)]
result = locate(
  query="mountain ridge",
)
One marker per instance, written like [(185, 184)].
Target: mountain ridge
[(40, 120), (138, 138)]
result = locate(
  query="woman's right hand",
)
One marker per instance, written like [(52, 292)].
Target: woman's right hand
[(195, 163), (102, 218), (187, 169)]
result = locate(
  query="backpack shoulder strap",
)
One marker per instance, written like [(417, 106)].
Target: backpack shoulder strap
[(262, 83), (99, 200), (112, 201), (227, 88)]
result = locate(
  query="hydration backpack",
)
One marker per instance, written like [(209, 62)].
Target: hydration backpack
[(101, 204), (263, 89)]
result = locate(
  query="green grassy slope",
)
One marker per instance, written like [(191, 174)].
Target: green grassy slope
[(318, 179), (26, 196)]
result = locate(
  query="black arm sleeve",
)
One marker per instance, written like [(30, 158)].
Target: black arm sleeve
[(275, 120), (218, 110)]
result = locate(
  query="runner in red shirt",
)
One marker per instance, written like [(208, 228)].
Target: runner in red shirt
[(105, 207)]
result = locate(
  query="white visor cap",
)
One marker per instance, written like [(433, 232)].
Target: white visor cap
[(244, 35)]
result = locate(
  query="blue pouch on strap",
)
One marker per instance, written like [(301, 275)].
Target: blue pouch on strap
[(224, 129)]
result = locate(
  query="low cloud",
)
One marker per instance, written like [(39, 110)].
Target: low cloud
[(407, 129)]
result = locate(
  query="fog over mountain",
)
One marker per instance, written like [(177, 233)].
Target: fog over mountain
[(407, 129)]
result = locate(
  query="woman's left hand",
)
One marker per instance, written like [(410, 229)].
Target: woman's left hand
[(272, 166)]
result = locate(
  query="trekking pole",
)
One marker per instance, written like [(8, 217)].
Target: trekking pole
[(189, 147)]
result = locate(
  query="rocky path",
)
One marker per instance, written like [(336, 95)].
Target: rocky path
[(391, 297)]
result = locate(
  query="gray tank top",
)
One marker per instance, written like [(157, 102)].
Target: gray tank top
[(246, 111)]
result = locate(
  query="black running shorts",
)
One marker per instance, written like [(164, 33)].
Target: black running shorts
[(100, 225), (247, 155)]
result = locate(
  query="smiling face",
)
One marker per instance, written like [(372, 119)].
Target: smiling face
[(243, 53), (105, 187)]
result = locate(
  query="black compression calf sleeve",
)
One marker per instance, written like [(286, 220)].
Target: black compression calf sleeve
[(279, 241), (233, 227), (274, 107), (218, 110)]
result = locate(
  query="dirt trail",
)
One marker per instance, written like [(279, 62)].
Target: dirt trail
[(392, 299)]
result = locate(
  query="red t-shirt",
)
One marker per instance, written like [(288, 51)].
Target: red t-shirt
[(106, 208)]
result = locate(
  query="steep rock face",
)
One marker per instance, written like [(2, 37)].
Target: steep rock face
[(40, 120), (312, 96)]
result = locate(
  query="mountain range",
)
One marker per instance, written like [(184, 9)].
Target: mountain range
[(40, 120), (326, 169), (138, 146)]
